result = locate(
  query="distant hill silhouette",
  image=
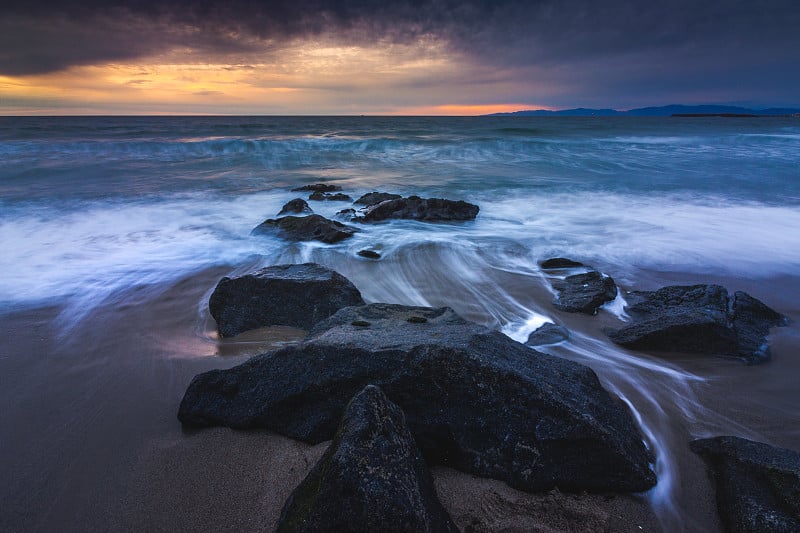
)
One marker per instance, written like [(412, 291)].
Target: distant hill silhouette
[(662, 111)]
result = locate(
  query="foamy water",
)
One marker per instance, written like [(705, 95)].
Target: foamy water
[(90, 208)]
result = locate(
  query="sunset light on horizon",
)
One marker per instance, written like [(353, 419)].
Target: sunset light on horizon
[(396, 58)]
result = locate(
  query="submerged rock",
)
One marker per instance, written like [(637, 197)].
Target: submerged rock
[(371, 478), (557, 263), (474, 399), (317, 187), (307, 228), (322, 196), (757, 485), (369, 254), (548, 334), (699, 319), (298, 205), (284, 295), (423, 209), (584, 293), (372, 198)]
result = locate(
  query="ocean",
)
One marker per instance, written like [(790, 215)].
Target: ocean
[(104, 219)]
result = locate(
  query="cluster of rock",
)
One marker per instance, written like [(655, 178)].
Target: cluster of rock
[(399, 388), (702, 319), (472, 398), (378, 207)]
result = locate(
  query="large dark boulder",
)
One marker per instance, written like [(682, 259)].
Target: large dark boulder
[(284, 295), (699, 319), (371, 478), (584, 293), (475, 399), (317, 187), (296, 206), (307, 228), (372, 198), (423, 209), (757, 485)]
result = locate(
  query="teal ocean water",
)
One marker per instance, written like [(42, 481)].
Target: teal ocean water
[(89, 205), (96, 209)]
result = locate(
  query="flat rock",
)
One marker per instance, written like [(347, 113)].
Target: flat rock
[(757, 485), (318, 196), (423, 209), (372, 198), (284, 295), (556, 263), (547, 334), (296, 206), (474, 399), (369, 254), (584, 293), (699, 319), (318, 187), (306, 228), (371, 478)]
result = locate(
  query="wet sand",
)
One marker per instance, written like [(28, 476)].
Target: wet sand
[(91, 442)]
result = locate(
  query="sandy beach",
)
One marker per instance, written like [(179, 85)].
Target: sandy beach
[(91, 441)]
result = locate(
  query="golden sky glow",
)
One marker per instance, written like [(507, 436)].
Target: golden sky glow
[(303, 78)]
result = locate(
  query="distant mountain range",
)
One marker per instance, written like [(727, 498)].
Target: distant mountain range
[(662, 111)]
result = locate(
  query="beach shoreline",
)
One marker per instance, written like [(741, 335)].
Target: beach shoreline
[(96, 444)]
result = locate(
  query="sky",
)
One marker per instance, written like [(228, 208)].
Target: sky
[(438, 57)]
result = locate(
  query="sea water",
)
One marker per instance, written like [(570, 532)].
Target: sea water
[(93, 207)]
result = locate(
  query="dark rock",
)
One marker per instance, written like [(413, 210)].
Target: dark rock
[(371, 478), (284, 295), (423, 209), (307, 228), (369, 254), (475, 399), (347, 213), (338, 197), (699, 319), (372, 198), (556, 263), (584, 293), (757, 485), (318, 187), (548, 334), (298, 205)]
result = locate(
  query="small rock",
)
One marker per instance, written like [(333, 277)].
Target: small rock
[(757, 485), (548, 334), (307, 228), (369, 254), (338, 197), (373, 198), (584, 293), (284, 295), (557, 263), (371, 478), (298, 205), (320, 187)]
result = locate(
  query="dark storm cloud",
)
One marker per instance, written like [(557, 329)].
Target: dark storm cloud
[(725, 38)]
